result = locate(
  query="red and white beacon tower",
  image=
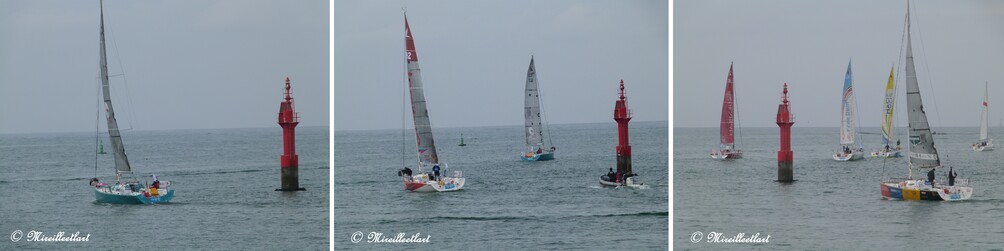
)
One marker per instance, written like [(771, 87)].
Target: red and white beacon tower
[(622, 115), (288, 119), (785, 119)]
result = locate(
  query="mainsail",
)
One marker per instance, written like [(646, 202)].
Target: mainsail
[(888, 135), (847, 110), (423, 127), (534, 134), (727, 128), (922, 150), (984, 123), (118, 149)]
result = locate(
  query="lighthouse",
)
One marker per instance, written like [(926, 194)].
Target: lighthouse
[(289, 161), (785, 119), (622, 115)]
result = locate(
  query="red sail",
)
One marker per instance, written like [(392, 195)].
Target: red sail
[(728, 113)]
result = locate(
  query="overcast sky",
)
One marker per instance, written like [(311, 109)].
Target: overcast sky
[(958, 45), (188, 64), (474, 56)]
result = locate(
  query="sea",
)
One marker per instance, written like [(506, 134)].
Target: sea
[(832, 205), (506, 203), (224, 199)]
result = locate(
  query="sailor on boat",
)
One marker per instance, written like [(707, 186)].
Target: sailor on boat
[(951, 176), (930, 176)]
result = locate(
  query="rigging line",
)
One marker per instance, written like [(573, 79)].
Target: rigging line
[(735, 105), (97, 127), (930, 87), (125, 81), (404, 81), (540, 102), (857, 118)]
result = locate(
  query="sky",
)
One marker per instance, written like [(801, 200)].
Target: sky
[(957, 47), (187, 64), (474, 57)]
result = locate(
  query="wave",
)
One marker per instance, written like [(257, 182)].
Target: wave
[(657, 213)]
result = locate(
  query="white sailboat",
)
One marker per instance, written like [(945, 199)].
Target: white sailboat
[(535, 149), (985, 143), (431, 177), (921, 152), (888, 129), (848, 149), (124, 191)]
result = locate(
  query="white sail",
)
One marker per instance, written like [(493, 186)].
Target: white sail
[(847, 111), (922, 150), (531, 101), (984, 123), (118, 149), (423, 126)]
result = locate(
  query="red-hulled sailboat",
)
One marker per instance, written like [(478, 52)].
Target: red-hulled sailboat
[(433, 179)]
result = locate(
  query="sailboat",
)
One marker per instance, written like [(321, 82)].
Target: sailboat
[(888, 129), (534, 131), (848, 150), (921, 151), (436, 180), (985, 143), (462, 140), (124, 191), (727, 148)]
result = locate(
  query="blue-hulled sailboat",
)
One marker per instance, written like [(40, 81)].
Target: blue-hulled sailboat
[(125, 190), (535, 149)]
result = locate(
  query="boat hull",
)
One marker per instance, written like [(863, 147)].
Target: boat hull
[(628, 182), (537, 157), (104, 195), (848, 157), (920, 190), (983, 148), (726, 156), (891, 154), (420, 184)]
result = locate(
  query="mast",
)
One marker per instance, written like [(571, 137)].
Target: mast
[(531, 101), (984, 122), (727, 128), (622, 115), (423, 126), (922, 152), (785, 119), (118, 149), (289, 161)]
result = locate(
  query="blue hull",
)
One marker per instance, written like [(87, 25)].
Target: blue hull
[(536, 157), (132, 199)]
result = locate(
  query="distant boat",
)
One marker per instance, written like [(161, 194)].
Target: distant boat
[(848, 150), (727, 148), (436, 180), (985, 143), (462, 140), (124, 191), (888, 129), (921, 151), (101, 148), (532, 113)]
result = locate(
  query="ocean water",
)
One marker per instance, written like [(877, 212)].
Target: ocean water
[(224, 198), (833, 205), (506, 203)]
